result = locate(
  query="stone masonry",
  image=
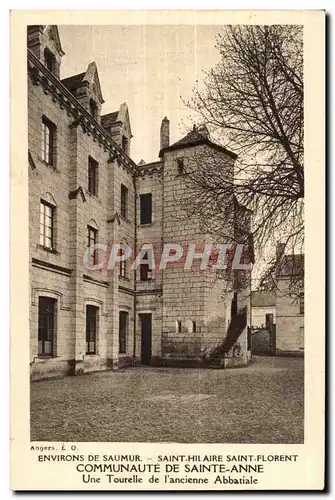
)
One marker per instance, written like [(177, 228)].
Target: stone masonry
[(189, 313)]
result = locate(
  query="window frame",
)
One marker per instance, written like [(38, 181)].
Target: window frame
[(93, 177), (50, 329), (178, 326), (144, 217), (92, 319), (123, 331), (92, 231), (124, 201), (123, 271), (44, 239), (48, 146), (180, 166), (49, 60), (145, 270), (93, 108)]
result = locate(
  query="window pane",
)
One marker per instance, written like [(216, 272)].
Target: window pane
[(146, 208), (91, 328)]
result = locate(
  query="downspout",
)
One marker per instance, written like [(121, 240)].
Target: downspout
[(135, 275)]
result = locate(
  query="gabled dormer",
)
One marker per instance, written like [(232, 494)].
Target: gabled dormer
[(86, 88), (44, 42), (117, 124)]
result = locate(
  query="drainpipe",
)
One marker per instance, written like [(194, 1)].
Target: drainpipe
[(135, 274)]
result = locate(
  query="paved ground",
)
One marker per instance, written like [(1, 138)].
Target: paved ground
[(261, 403)]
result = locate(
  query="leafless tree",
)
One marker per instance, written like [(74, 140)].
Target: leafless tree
[(252, 104)]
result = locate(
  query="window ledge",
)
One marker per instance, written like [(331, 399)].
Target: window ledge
[(146, 225), (93, 196), (124, 278), (49, 250), (52, 167), (45, 357)]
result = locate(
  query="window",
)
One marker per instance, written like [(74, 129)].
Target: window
[(123, 331), (123, 265), (93, 109), (48, 142), (178, 326), (146, 208), (145, 271), (194, 327), (92, 177), (302, 303), (125, 143), (49, 60), (46, 325), (47, 213), (92, 236), (268, 320), (180, 166), (91, 329), (124, 201)]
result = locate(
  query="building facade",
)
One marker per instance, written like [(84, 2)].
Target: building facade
[(290, 305), (86, 191)]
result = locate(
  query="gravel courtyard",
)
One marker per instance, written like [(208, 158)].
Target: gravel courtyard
[(260, 403)]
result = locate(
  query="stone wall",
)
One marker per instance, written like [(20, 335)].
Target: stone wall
[(289, 322)]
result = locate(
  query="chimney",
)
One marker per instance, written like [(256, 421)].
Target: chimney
[(165, 133)]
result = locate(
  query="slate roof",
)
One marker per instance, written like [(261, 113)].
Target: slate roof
[(193, 138), (107, 120), (73, 82)]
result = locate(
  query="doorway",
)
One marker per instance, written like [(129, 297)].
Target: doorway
[(146, 331)]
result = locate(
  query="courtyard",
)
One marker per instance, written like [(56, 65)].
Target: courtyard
[(260, 403)]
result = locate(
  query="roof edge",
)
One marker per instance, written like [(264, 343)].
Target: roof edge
[(203, 141)]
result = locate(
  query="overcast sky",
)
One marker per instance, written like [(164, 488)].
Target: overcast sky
[(149, 67)]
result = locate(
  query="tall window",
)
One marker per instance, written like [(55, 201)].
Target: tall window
[(123, 265), (123, 331), (47, 213), (48, 142), (125, 143), (178, 326), (46, 325), (194, 326), (91, 329), (49, 60), (93, 108), (146, 208), (180, 166), (92, 237), (92, 176), (124, 201), (268, 320), (302, 303), (145, 271)]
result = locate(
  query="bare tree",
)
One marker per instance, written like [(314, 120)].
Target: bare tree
[(252, 103)]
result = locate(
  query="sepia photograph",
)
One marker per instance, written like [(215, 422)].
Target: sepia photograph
[(166, 233)]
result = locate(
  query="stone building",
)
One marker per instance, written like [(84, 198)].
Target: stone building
[(85, 190), (290, 304)]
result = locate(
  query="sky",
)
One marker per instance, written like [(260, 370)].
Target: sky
[(152, 68)]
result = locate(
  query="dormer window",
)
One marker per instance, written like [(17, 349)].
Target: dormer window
[(125, 143), (49, 60), (93, 109)]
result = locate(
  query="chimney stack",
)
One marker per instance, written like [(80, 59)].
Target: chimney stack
[(165, 133)]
